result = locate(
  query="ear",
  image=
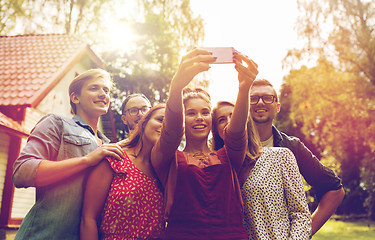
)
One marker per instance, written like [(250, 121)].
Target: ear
[(74, 98), (278, 107), (123, 118)]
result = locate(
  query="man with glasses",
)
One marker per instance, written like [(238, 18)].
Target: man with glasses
[(264, 106), (133, 108)]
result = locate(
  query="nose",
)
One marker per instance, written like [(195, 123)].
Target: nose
[(199, 116), (260, 100), (103, 93)]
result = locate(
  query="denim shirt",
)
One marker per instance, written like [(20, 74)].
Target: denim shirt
[(319, 176), (57, 210)]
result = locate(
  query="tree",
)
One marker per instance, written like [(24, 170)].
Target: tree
[(332, 113), (9, 11), (340, 42), (165, 29), (341, 31), (80, 17)]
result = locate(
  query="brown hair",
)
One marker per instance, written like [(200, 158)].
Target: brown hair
[(136, 137), (188, 93), (264, 82), (218, 142), (254, 148), (78, 82)]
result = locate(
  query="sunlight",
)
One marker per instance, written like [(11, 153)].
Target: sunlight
[(118, 34)]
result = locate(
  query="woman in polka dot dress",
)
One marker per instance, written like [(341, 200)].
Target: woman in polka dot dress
[(123, 197), (275, 205)]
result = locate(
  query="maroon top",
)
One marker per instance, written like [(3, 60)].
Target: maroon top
[(207, 202), (200, 203)]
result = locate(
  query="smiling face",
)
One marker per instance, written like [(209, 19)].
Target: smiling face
[(132, 120), (198, 120), (261, 112), (94, 98), (153, 126), (223, 116)]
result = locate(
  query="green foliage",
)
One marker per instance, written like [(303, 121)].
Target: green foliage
[(165, 29), (82, 17), (346, 230), (339, 30), (9, 11), (332, 105)]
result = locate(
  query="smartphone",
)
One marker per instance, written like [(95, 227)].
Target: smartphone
[(223, 54)]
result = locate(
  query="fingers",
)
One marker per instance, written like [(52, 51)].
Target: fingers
[(246, 59), (194, 62), (122, 143), (113, 150), (248, 72), (198, 52)]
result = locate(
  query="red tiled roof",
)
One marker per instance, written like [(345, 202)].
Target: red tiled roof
[(9, 124), (30, 65)]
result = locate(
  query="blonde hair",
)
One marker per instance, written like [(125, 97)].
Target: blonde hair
[(189, 93), (78, 82)]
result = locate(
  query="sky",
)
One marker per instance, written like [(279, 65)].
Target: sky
[(261, 29)]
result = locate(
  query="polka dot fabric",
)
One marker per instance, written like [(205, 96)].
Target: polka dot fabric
[(133, 209), (275, 204)]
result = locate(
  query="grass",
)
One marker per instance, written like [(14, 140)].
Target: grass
[(345, 230)]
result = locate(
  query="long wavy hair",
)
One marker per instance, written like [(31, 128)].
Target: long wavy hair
[(217, 142), (254, 147), (137, 135)]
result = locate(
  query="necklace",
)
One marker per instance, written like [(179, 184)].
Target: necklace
[(199, 159)]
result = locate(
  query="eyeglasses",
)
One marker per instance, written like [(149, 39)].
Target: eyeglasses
[(134, 111), (267, 99)]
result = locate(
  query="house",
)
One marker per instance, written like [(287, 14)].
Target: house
[(35, 72)]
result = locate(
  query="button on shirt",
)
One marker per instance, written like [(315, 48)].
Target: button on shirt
[(57, 210)]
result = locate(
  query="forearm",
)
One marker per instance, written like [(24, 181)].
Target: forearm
[(240, 111), (327, 206), (50, 172), (89, 229)]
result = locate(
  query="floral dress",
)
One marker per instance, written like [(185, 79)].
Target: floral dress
[(134, 206)]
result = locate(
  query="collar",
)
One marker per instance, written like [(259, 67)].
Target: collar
[(83, 124), (276, 136)]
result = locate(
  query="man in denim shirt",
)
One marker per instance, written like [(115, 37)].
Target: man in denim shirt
[(264, 106), (58, 156)]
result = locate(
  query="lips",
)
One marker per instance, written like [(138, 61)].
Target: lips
[(104, 102), (199, 126), (261, 111)]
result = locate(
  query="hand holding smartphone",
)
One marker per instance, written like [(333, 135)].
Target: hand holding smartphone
[(222, 54)]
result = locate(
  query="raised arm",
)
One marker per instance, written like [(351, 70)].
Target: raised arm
[(237, 125), (97, 188), (194, 62)]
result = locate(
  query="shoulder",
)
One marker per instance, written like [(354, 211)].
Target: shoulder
[(120, 166), (277, 151), (278, 154), (291, 139), (54, 119)]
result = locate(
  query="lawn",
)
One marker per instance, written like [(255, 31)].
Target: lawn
[(345, 230)]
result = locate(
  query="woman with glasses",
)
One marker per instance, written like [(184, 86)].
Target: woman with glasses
[(133, 108), (123, 197), (202, 195), (274, 201)]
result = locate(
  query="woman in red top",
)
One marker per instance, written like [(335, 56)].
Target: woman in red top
[(123, 196), (202, 194)]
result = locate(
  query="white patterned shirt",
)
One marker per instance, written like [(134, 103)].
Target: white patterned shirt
[(275, 204)]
